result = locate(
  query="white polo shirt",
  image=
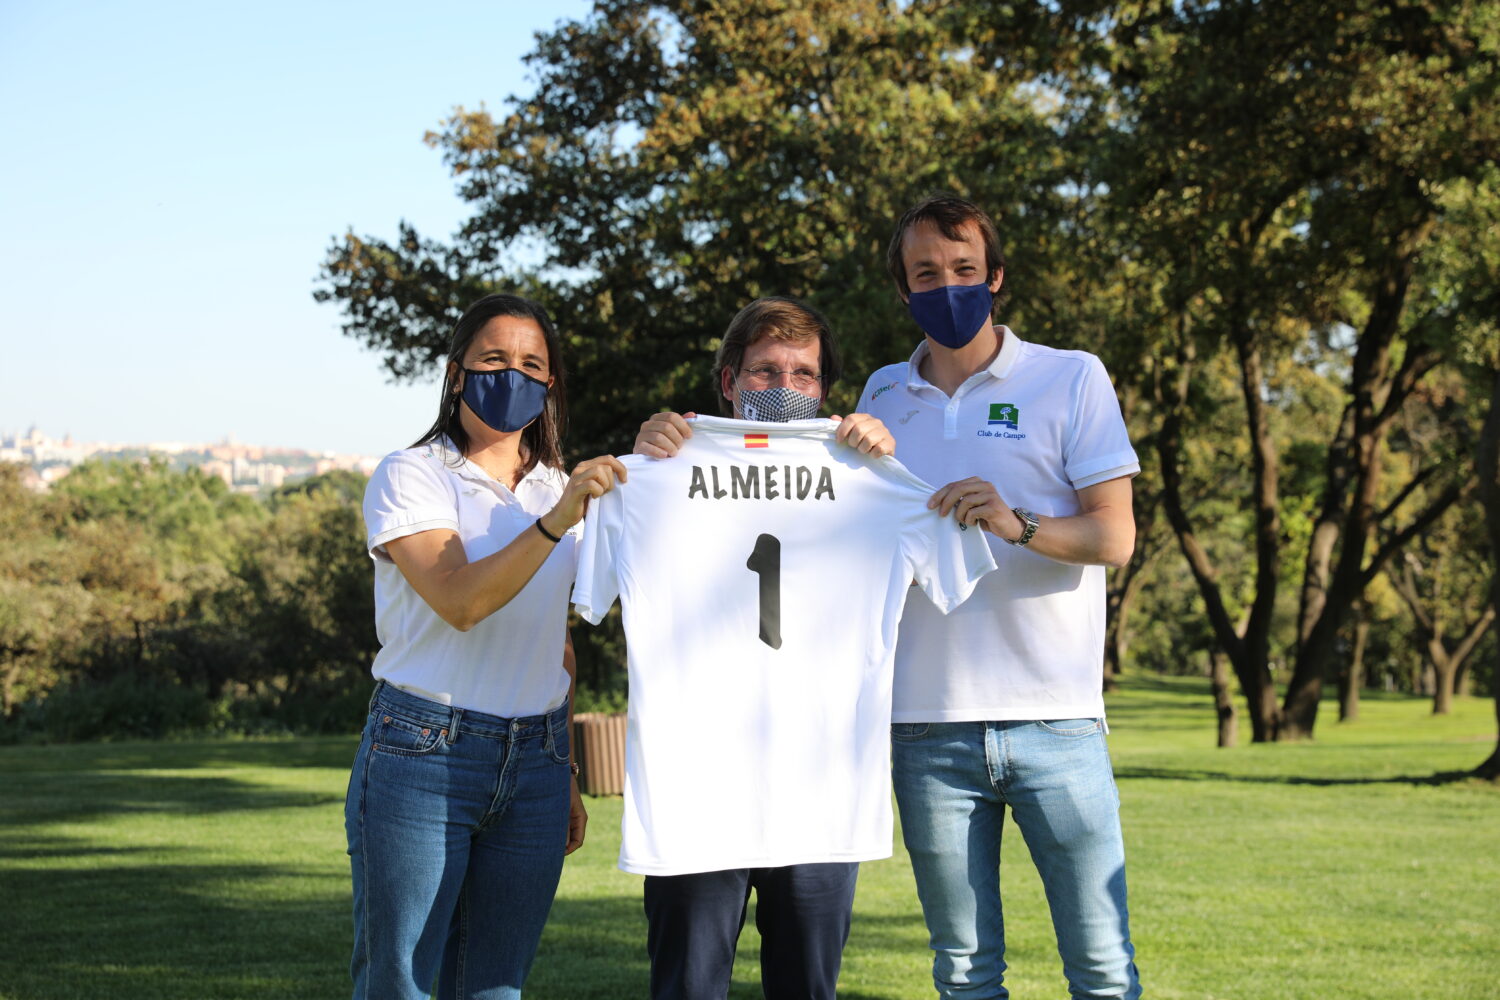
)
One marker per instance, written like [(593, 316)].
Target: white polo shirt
[(509, 664), (1039, 424)]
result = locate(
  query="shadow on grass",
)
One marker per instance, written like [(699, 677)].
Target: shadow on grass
[(81, 797), (37, 847), (1189, 774), (174, 931), (313, 751), (595, 949)]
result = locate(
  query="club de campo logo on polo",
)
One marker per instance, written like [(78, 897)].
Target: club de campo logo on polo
[(1004, 415), (1004, 422)]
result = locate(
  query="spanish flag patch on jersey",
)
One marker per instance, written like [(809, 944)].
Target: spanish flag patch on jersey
[(757, 440)]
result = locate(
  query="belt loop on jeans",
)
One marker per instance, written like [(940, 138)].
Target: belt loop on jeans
[(454, 720), (375, 696)]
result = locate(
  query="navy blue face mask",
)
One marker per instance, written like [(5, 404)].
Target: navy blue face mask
[(953, 314), (506, 399)]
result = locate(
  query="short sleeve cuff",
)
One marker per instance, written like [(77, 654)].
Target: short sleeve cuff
[(410, 523), (1105, 469)]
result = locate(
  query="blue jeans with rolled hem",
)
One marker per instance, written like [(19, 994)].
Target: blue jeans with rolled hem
[(456, 822), (953, 782)]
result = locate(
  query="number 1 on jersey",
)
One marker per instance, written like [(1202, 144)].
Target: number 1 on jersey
[(765, 561)]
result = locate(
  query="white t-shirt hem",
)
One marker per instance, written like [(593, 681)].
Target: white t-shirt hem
[(1011, 713), (765, 861)]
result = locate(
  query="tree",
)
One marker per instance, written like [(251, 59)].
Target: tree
[(1287, 169), (1250, 210), (42, 615), (1487, 466), (136, 599), (680, 159), (1446, 586)]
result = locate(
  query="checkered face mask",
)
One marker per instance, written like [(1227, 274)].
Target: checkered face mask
[(777, 405)]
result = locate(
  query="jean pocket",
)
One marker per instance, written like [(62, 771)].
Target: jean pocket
[(404, 738), (908, 730), (559, 743), (1071, 728)]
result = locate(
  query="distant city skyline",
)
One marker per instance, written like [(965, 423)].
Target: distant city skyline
[(9, 435), (175, 173), (242, 466)]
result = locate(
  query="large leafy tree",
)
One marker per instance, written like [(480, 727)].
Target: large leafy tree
[(680, 159), (1286, 171), (1251, 210), (133, 597)]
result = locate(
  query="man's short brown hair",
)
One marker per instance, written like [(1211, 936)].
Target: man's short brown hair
[(781, 319), (950, 214)]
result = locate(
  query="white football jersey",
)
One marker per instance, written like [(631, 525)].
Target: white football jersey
[(762, 573)]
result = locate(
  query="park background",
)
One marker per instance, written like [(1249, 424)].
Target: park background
[(1275, 222)]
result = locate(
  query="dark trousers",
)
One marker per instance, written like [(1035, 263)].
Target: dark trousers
[(801, 911)]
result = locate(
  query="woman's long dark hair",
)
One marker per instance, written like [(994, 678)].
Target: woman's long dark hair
[(541, 441)]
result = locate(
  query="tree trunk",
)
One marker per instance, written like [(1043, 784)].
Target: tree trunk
[(1118, 604), (1248, 646), (1378, 385), (1489, 493), (1459, 657), (1299, 712), (1266, 718), (8, 687), (1490, 769), (1354, 677), (1442, 670), (1223, 703), (1439, 674)]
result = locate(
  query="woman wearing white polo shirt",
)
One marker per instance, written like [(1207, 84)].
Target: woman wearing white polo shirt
[(462, 800)]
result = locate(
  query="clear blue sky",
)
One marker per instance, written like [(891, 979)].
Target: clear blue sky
[(171, 175)]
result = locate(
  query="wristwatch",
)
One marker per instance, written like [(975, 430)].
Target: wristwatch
[(1029, 523)]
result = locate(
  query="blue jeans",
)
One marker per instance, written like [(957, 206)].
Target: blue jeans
[(953, 781), (457, 822), (801, 911)]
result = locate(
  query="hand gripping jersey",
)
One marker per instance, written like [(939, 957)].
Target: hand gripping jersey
[(762, 572)]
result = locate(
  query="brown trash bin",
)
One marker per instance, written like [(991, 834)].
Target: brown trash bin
[(599, 749)]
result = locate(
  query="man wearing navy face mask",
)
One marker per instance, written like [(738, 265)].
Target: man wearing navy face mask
[(999, 703)]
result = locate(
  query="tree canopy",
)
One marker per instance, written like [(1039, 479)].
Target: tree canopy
[(1275, 221)]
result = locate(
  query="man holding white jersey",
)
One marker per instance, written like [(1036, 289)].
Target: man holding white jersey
[(787, 775)]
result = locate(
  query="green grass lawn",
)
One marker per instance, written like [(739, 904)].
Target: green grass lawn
[(1345, 868)]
